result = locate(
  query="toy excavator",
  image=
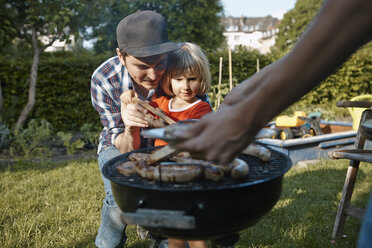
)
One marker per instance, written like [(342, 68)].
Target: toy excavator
[(298, 126)]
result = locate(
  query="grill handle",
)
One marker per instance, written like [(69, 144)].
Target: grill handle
[(159, 218)]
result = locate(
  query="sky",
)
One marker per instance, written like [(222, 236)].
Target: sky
[(257, 8)]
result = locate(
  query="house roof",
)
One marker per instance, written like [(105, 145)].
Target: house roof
[(250, 24)]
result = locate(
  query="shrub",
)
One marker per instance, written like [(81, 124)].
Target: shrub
[(31, 141), (63, 87), (90, 134), (70, 144), (62, 93)]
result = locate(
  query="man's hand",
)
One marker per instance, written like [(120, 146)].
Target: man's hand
[(219, 136), (134, 117), (133, 114)]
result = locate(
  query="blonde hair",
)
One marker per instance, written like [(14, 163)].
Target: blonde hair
[(188, 59)]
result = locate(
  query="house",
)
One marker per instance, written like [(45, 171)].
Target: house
[(253, 32), (58, 45)]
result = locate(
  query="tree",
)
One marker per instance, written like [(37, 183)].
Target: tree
[(293, 24), (34, 20), (103, 24), (7, 30), (350, 79), (195, 21)]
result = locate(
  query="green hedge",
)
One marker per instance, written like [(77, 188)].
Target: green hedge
[(62, 94), (244, 65), (353, 78), (63, 86)]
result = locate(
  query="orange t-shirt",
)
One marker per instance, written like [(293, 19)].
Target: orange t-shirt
[(194, 111)]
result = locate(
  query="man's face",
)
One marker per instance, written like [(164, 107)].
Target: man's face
[(146, 71)]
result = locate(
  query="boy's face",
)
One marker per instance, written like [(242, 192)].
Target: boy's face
[(185, 86), (146, 71)]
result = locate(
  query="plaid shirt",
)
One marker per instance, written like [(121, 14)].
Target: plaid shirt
[(108, 82)]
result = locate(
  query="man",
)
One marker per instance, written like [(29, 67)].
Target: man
[(340, 28), (140, 63)]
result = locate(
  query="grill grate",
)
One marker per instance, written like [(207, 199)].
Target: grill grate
[(259, 171)]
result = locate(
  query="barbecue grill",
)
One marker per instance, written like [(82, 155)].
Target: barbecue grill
[(199, 210)]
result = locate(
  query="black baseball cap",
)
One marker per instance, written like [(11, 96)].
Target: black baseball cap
[(143, 34)]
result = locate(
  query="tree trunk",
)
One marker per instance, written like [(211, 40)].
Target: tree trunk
[(33, 78)]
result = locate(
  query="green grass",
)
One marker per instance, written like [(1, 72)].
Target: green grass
[(58, 205)]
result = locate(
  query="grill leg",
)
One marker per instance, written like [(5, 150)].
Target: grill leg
[(227, 242), (155, 243)]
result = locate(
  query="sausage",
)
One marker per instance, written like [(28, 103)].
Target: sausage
[(185, 157), (213, 173), (257, 151), (169, 173), (127, 168), (138, 156), (240, 169), (181, 155), (225, 168), (193, 170)]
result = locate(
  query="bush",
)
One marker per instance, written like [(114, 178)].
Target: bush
[(351, 79), (62, 93), (70, 144), (244, 65), (31, 141), (63, 87), (90, 134)]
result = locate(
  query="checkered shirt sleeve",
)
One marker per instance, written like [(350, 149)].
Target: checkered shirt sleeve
[(107, 84)]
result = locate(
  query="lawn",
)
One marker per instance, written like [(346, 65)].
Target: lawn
[(58, 205)]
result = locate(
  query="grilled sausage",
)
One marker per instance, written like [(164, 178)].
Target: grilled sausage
[(138, 156), (127, 168), (240, 169), (185, 157), (169, 173), (216, 172), (213, 173), (192, 170), (257, 151)]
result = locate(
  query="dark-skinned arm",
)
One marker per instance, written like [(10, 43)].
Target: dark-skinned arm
[(338, 30)]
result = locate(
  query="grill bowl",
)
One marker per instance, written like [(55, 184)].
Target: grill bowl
[(219, 208)]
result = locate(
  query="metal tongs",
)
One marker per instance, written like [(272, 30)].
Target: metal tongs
[(165, 133)]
